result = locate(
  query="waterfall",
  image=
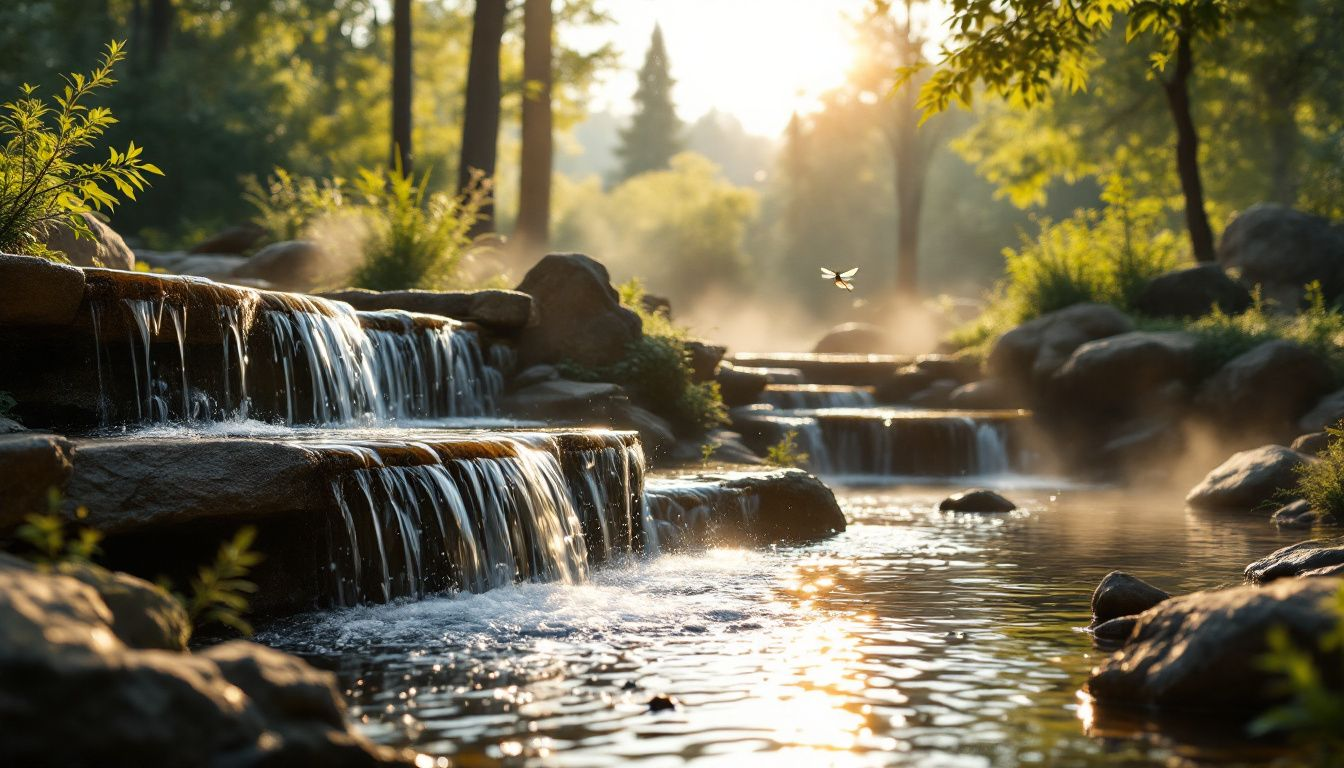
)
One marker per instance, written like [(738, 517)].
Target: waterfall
[(816, 396), (681, 513), (320, 362), (991, 450), (528, 512)]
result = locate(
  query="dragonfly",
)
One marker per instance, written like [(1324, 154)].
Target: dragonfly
[(842, 279)]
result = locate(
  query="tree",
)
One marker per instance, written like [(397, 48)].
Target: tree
[(652, 138), (401, 86), (1022, 49), (480, 124), (532, 230), (892, 39)]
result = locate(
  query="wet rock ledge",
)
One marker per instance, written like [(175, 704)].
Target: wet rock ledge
[(94, 671)]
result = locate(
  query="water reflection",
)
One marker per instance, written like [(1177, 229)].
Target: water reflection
[(917, 637)]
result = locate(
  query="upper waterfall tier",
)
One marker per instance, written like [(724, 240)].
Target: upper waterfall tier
[(145, 348)]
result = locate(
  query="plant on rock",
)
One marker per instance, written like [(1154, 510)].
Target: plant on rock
[(785, 453), (41, 185), (1321, 483), (416, 239), (219, 590)]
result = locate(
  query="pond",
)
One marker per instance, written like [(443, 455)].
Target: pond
[(916, 637)]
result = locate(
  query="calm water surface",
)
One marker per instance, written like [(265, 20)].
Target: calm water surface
[(915, 638)]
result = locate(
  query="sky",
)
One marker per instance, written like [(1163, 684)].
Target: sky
[(756, 59)]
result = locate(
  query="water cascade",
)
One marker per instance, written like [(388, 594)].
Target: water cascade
[(812, 396), (182, 350)]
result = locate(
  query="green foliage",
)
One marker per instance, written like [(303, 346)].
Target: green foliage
[(41, 184), (1314, 708), (49, 541), (287, 205), (416, 239), (1101, 255), (219, 589), (680, 228), (1321, 483), (656, 371), (1319, 327), (707, 451), (785, 453)]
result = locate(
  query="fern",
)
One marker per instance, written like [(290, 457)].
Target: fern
[(50, 543), (219, 590), (40, 184), (785, 453)]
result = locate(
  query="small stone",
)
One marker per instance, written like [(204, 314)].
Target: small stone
[(977, 500), (663, 703), (1113, 634), (1120, 594)]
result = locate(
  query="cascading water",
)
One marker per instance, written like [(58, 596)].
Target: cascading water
[(320, 363), (680, 512), (813, 396), (473, 524)]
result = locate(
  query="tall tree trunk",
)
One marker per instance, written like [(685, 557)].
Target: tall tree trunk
[(534, 195), (480, 124), (401, 86), (160, 30), (910, 177), (1187, 148)]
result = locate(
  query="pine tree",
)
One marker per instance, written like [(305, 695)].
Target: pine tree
[(653, 136)]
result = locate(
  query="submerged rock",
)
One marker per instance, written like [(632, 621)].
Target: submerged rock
[(1120, 594), (1300, 514), (976, 500), (1192, 292), (72, 692), (1201, 651), (579, 314), (662, 703), (1296, 560), (1249, 479)]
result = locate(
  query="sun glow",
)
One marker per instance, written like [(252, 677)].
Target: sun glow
[(757, 60)]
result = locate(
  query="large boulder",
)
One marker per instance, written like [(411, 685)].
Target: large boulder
[(1203, 650), (1312, 443), (72, 692), (1266, 389), (739, 386), (106, 249), (854, 338), (232, 240), (38, 292), (1192, 292), (1034, 350), (1120, 594), (291, 265), (988, 394), (1327, 412), (32, 464), (1282, 250), (143, 615), (496, 309), (1249, 479), (1296, 560), (1126, 369), (580, 317)]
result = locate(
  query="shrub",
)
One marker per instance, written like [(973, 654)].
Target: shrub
[(1319, 327), (785, 453), (416, 240), (1321, 483), (40, 184), (48, 540), (1314, 708), (219, 590), (287, 205), (656, 370)]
